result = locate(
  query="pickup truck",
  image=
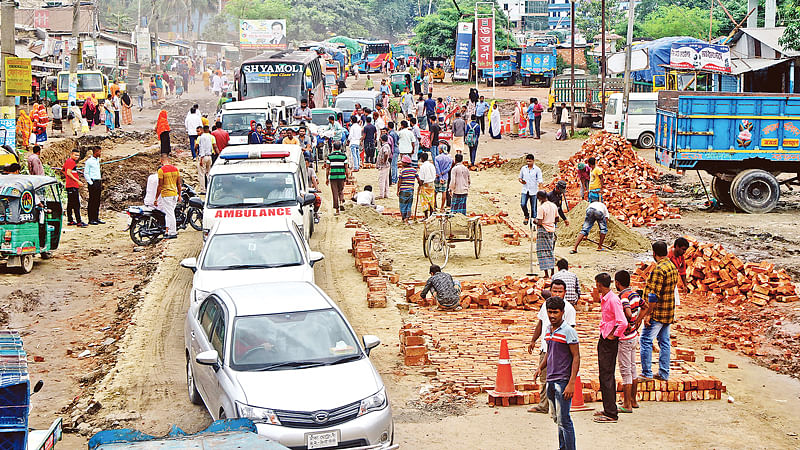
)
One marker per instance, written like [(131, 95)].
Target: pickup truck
[(505, 69), (588, 106), (744, 140)]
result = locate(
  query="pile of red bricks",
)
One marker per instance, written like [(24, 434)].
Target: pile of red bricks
[(367, 263), (489, 162), (711, 270), (625, 175), (507, 293), (350, 187), (413, 347)]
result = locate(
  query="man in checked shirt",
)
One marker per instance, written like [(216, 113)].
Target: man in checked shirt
[(448, 292), (659, 312)]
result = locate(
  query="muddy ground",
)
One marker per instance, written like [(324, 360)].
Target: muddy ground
[(134, 374)]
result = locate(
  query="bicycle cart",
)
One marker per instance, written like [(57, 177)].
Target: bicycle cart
[(440, 234)]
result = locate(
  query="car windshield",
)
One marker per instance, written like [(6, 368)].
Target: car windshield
[(320, 119), (87, 82), (242, 190), (251, 250), (280, 341), (239, 123), (349, 104)]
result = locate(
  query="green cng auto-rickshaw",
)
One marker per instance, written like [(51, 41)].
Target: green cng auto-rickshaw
[(400, 81), (30, 218)]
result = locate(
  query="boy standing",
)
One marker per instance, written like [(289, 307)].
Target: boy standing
[(562, 364), (612, 327), (631, 302)]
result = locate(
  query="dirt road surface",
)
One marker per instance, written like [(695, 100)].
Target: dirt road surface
[(138, 380)]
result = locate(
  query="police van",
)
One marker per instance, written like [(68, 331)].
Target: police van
[(260, 181)]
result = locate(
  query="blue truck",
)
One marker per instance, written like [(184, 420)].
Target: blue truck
[(506, 69), (538, 65), (744, 140)]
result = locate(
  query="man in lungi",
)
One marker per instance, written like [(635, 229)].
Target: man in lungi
[(405, 187), (427, 191), (459, 186), (546, 215)]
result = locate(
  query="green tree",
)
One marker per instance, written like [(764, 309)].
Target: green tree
[(791, 36), (678, 21), (588, 17), (322, 19), (393, 19), (256, 9)]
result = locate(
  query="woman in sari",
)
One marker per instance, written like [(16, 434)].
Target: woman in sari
[(40, 121), (162, 131), (88, 111), (24, 128), (153, 92), (495, 125), (127, 103), (109, 116)]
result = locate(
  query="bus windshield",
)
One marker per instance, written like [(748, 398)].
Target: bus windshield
[(270, 79), (376, 49), (87, 82)]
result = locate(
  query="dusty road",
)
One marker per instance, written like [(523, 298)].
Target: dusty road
[(139, 379)]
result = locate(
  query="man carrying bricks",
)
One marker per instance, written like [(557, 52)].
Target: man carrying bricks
[(546, 233), (529, 177), (658, 312), (557, 290), (562, 364), (573, 286), (612, 327), (676, 256), (631, 303), (448, 292)]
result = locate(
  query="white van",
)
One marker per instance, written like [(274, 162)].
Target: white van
[(260, 181), (236, 116), (641, 126)]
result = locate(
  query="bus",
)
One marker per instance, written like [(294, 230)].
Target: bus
[(281, 73), (372, 56), (89, 82)]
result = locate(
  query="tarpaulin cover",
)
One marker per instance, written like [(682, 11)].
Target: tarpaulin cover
[(658, 53)]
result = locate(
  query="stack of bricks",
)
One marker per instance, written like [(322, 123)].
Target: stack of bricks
[(376, 292), (350, 187), (413, 347), (464, 347), (367, 263), (489, 162), (507, 293), (711, 270), (625, 174)]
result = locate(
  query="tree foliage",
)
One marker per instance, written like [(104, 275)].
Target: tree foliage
[(588, 17), (678, 21), (791, 36)]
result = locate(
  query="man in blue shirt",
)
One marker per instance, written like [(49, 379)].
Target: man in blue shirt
[(394, 138), (481, 108), (94, 183), (385, 87), (443, 163), (430, 108)]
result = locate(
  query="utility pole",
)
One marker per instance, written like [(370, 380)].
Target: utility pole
[(572, 68), (603, 61), (7, 46), (627, 91), (75, 53)]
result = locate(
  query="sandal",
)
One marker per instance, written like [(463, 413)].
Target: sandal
[(624, 410), (599, 413), (572, 252), (604, 419)]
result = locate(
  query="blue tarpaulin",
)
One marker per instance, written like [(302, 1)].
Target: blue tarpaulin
[(658, 54)]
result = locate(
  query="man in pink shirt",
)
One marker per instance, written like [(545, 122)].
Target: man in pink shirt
[(612, 326)]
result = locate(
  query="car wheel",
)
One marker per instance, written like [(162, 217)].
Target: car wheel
[(194, 396), (27, 264), (646, 140)]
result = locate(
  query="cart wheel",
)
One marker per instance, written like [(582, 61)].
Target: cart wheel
[(478, 239), (27, 263), (438, 249), (425, 235)]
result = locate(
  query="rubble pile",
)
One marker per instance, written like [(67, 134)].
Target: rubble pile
[(489, 162), (508, 293)]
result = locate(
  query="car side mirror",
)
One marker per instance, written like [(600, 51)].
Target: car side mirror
[(208, 358), (315, 257), (189, 263), (309, 199), (197, 202), (370, 341)]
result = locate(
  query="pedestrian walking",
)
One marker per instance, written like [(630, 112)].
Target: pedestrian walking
[(73, 184), (546, 234), (407, 103), (406, 141), (530, 176), (117, 103), (583, 173), (472, 138), (24, 129), (222, 138), (108, 112), (481, 109), (206, 146), (153, 87), (191, 122), (369, 84), (427, 192), (596, 212), (459, 186), (443, 163), (126, 105), (384, 165), (571, 283), (459, 132), (94, 183), (612, 327), (76, 118), (139, 93), (659, 312), (162, 130), (534, 112), (595, 181), (167, 194), (562, 364), (405, 186), (430, 109), (369, 136), (446, 290), (394, 141), (564, 119), (337, 171), (35, 166), (626, 354)]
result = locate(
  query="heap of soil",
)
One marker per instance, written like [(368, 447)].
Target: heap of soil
[(513, 166), (619, 236), (372, 218)]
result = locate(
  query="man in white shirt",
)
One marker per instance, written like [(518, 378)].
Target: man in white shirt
[(150, 191), (557, 289), (367, 198), (417, 138), (529, 176), (216, 85), (596, 212), (206, 144), (405, 140), (407, 103), (191, 122), (420, 110), (427, 191), (355, 143), (303, 113)]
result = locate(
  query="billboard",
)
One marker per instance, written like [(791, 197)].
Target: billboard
[(18, 76), (484, 37), (463, 51), (8, 126), (700, 56), (263, 34)]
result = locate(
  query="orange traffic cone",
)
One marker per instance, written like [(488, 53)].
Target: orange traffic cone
[(577, 398), (504, 383)]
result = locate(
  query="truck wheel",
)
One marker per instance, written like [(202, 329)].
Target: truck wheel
[(721, 190), (755, 191), (646, 140), (526, 81), (489, 81)]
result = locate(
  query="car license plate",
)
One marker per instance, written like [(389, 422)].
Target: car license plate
[(322, 440)]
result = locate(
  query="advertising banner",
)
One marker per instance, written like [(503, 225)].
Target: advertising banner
[(700, 56), (8, 126), (484, 35), (18, 76), (463, 51), (263, 34)]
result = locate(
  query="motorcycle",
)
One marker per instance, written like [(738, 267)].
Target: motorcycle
[(148, 224)]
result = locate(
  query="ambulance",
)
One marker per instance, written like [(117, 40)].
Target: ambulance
[(265, 181)]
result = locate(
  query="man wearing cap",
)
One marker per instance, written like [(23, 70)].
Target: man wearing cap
[(583, 179), (558, 198)]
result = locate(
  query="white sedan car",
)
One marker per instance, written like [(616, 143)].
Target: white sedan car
[(240, 252)]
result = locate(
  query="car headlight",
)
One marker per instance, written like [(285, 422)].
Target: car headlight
[(199, 295), (374, 402), (256, 414)]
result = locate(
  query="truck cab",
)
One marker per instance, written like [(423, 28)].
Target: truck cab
[(538, 65), (506, 67)]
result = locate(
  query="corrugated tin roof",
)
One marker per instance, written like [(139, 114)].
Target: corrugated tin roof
[(770, 37), (740, 66)]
